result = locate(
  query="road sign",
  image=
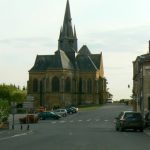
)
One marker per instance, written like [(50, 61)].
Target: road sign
[(30, 98), (28, 105)]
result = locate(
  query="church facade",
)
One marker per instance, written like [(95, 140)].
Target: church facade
[(70, 76)]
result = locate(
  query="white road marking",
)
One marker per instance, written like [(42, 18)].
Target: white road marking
[(16, 135), (88, 120), (79, 120), (62, 121), (106, 120), (97, 120), (71, 121)]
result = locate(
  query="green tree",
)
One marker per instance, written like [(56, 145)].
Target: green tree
[(18, 96), (12, 93), (4, 110)]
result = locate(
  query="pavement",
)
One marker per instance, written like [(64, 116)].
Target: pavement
[(11, 133), (147, 131)]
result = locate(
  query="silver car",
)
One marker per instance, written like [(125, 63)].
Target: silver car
[(61, 112)]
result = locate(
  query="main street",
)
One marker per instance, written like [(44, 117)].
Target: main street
[(86, 130)]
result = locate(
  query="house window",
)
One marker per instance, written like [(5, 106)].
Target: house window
[(55, 84), (67, 85), (35, 85)]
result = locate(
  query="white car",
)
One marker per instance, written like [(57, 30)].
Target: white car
[(109, 101), (61, 112)]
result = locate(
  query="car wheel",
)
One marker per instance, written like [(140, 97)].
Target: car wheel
[(117, 129), (141, 130), (121, 129), (135, 130)]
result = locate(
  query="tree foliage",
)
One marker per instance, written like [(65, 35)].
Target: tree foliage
[(4, 110), (12, 93)]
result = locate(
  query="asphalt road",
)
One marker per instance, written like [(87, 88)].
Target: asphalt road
[(86, 130)]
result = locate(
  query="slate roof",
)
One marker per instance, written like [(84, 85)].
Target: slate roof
[(85, 61), (57, 61), (84, 50)]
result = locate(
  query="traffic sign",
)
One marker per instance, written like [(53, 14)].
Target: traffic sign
[(30, 98), (27, 104)]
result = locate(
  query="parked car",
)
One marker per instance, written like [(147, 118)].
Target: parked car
[(129, 120), (109, 101), (75, 109), (30, 118), (61, 112), (48, 115), (71, 110), (147, 120)]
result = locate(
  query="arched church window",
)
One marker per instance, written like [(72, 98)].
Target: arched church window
[(67, 85), (55, 84), (84, 86), (80, 85), (89, 86), (35, 85), (47, 84)]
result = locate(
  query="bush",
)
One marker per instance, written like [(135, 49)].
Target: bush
[(4, 110)]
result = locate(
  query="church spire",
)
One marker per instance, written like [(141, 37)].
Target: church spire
[(67, 24), (75, 35), (67, 38)]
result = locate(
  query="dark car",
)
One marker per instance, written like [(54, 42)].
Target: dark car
[(147, 120), (71, 110), (129, 120), (48, 115), (30, 118)]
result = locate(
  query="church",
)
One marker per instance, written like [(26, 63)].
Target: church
[(71, 76)]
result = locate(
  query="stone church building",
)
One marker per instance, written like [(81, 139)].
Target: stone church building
[(70, 76)]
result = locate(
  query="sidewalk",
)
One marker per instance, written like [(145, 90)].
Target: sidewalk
[(11, 133), (147, 131)]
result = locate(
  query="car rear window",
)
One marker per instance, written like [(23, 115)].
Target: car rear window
[(133, 115)]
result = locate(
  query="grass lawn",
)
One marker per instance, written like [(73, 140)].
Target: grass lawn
[(89, 107)]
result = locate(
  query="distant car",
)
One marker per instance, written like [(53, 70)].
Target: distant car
[(48, 115), (30, 118), (109, 101), (61, 112), (71, 110), (129, 120), (75, 109)]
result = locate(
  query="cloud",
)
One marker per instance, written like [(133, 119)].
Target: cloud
[(30, 42)]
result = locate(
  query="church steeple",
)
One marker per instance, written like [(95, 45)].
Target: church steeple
[(67, 25), (67, 38)]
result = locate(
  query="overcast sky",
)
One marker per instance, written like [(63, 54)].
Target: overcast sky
[(120, 29)]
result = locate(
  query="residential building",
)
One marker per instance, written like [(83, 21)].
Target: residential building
[(141, 82)]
